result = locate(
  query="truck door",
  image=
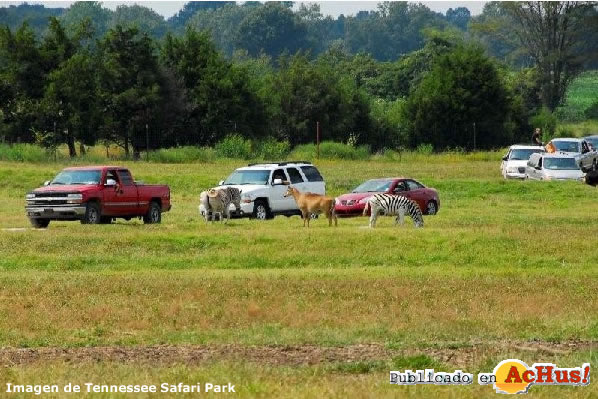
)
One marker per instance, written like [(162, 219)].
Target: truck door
[(127, 194), (110, 206)]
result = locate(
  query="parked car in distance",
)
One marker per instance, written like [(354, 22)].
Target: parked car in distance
[(572, 145), (558, 166), (94, 195), (593, 140), (263, 186), (352, 204), (514, 162), (588, 162)]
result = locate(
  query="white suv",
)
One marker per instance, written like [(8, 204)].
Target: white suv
[(514, 163), (262, 187)]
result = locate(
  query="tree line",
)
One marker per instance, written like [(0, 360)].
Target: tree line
[(115, 79)]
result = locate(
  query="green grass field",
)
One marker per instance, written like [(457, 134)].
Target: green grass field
[(507, 268)]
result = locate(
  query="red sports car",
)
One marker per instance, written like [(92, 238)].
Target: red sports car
[(352, 204)]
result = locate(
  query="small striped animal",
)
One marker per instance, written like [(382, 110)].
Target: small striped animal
[(396, 205), (219, 200)]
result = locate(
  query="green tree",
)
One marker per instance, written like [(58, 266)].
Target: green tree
[(273, 29), (461, 101), (129, 86), (218, 93), (553, 34), (143, 18), (22, 77), (92, 11)]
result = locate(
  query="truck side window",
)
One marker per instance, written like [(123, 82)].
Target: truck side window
[(111, 174), (125, 177)]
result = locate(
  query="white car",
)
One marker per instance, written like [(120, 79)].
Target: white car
[(557, 166), (263, 185), (513, 164)]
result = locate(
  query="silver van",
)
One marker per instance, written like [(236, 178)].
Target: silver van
[(553, 166)]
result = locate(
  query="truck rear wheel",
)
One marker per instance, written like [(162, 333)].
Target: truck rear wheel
[(92, 214), (39, 223), (154, 214)]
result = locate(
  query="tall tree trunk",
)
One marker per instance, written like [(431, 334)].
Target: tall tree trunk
[(82, 149), (70, 140), (127, 146)]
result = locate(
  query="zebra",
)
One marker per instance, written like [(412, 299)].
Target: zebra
[(218, 200), (393, 205)]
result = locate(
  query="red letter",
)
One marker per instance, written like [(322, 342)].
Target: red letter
[(562, 376), (575, 376), (544, 374), (513, 373), (527, 373)]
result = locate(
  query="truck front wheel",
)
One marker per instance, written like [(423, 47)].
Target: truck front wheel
[(39, 223), (154, 214), (92, 214)]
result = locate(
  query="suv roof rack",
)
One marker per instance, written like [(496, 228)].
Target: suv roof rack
[(279, 163)]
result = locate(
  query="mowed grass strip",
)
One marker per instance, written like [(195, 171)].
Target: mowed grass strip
[(275, 307)]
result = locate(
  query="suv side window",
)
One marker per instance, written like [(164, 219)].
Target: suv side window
[(278, 174), (294, 175), (311, 173)]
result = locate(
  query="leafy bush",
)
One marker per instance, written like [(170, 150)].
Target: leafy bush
[(234, 146), (425, 149), (24, 153), (273, 150), (183, 155), (330, 150), (546, 121)]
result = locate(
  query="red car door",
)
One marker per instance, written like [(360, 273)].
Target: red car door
[(110, 205), (401, 189), (417, 194)]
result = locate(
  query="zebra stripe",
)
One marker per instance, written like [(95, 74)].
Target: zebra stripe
[(396, 205)]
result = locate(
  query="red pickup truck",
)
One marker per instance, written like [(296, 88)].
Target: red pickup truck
[(94, 195)]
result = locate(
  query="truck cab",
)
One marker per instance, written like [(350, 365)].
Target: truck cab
[(96, 194)]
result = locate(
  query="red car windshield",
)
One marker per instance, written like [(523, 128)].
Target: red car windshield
[(373, 186)]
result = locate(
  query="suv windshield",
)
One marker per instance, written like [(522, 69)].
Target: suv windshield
[(78, 177), (373, 186), (566, 146), (523, 154), (560, 164), (248, 177)]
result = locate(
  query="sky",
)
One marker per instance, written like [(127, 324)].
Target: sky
[(333, 8)]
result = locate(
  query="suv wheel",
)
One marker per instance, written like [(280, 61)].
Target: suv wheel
[(39, 223), (92, 214), (153, 215), (261, 210)]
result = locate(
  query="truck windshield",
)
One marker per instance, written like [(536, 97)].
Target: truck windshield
[(78, 177), (523, 154), (248, 177), (560, 164)]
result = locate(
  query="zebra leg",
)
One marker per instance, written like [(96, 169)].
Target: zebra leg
[(373, 216), (401, 218)]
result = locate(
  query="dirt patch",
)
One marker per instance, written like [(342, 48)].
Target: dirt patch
[(281, 355)]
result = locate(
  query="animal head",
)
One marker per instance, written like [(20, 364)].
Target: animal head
[(289, 192), (212, 193)]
